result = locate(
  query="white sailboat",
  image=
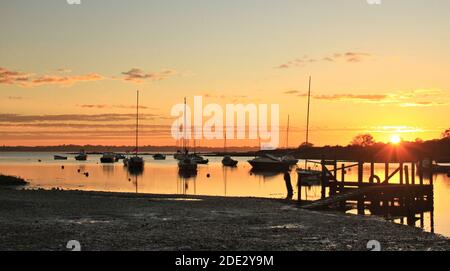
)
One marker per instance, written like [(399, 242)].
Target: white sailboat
[(135, 162), (307, 173), (186, 162)]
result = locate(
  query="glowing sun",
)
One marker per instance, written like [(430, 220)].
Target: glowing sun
[(395, 139)]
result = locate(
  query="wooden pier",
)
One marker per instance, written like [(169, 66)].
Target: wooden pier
[(408, 197)]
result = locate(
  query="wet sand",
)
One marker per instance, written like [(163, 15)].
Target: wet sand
[(47, 220)]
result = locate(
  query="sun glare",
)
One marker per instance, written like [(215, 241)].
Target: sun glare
[(395, 139)]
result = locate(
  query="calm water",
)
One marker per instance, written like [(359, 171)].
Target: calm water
[(161, 177)]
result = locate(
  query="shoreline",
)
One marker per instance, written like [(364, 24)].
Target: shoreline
[(48, 219)]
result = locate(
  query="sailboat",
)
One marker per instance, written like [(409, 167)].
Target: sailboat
[(135, 162), (227, 161), (81, 156), (307, 174), (186, 163)]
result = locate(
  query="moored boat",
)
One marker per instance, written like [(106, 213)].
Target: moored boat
[(108, 157), (136, 162), (81, 156), (269, 163), (59, 157), (198, 159), (228, 161), (187, 165), (159, 156)]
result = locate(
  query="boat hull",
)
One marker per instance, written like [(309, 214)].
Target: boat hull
[(81, 157), (229, 163), (270, 166), (107, 160)]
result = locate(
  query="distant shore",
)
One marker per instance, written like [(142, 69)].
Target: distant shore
[(47, 220)]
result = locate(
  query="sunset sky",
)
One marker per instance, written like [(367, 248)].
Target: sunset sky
[(69, 73)]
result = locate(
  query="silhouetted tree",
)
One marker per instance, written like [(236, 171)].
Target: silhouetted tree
[(446, 134), (363, 140)]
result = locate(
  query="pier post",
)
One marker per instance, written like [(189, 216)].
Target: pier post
[(406, 175), (372, 172), (342, 179), (413, 173), (323, 180), (401, 172), (360, 173), (299, 187), (421, 171), (386, 171), (360, 204), (431, 171)]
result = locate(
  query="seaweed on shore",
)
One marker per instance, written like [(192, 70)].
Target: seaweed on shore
[(11, 181)]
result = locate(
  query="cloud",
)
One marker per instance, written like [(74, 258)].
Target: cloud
[(347, 57), (136, 75), (347, 97), (291, 92), (422, 104), (62, 77), (64, 80), (17, 118), (412, 98), (102, 106), (10, 77), (23, 79), (15, 98)]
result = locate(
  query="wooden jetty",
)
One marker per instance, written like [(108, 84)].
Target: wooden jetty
[(412, 194)]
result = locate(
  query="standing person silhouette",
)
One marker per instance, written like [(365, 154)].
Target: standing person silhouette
[(287, 179)]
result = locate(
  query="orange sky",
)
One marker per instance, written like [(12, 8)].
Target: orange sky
[(68, 74)]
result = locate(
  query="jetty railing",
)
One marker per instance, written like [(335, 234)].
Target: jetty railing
[(410, 194)]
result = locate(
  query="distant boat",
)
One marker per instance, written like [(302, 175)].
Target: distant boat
[(307, 172), (119, 157), (136, 162), (187, 165), (198, 159), (187, 162), (269, 162), (81, 156), (108, 157), (229, 162), (59, 157), (159, 156)]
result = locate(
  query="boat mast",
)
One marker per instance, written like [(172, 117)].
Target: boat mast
[(225, 144), (137, 122), (287, 133), (184, 126), (307, 119)]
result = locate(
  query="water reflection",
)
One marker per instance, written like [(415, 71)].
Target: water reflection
[(162, 177)]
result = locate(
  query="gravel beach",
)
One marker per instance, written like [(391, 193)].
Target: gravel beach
[(47, 220)]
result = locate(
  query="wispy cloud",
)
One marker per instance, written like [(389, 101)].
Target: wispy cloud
[(10, 77), (107, 106), (412, 98), (63, 80), (23, 79), (347, 57), (136, 75), (17, 118), (62, 77)]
